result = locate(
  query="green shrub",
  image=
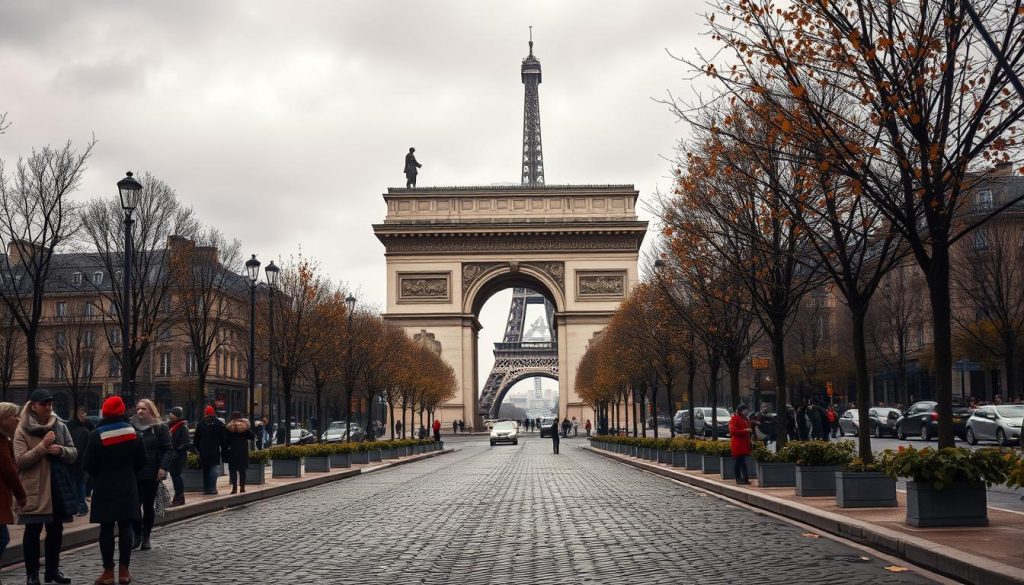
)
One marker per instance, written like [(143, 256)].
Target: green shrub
[(943, 467), (683, 445), (714, 448), (259, 456), (192, 460), (765, 455), (817, 453), (286, 452), (858, 464)]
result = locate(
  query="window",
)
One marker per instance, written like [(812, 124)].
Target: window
[(114, 366), (59, 339), (76, 279), (165, 334), (117, 276), (114, 337), (97, 277), (62, 309), (983, 200), (920, 335), (88, 338), (88, 309), (191, 367), (165, 363), (87, 367), (233, 358), (58, 368), (980, 239)]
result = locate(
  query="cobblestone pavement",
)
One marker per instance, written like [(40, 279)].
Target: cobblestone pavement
[(508, 514)]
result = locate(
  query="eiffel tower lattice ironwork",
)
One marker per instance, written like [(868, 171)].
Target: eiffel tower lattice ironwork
[(523, 352), (533, 157)]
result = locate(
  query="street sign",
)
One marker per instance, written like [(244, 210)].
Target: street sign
[(759, 363)]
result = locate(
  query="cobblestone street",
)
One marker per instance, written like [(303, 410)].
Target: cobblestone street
[(508, 514)]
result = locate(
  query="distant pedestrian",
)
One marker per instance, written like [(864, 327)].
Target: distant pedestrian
[(43, 448), (209, 440), (258, 433), (179, 452), (462, 426), (739, 442), (833, 420), (455, 427), (237, 443), (79, 427), (565, 427), (437, 430), (156, 440), (575, 427), (282, 432), (11, 491), (114, 457), (587, 426), (554, 435)]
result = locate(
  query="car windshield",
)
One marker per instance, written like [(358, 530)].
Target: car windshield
[(1013, 411), (337, 426), (722, 413), (505, 426)]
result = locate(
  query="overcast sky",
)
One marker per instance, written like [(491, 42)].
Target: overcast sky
[(283, 123)]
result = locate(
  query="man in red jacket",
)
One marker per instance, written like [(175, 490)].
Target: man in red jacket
[(437, 429), (739, 431)]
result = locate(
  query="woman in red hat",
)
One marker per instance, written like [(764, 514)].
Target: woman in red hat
[(114, 455)]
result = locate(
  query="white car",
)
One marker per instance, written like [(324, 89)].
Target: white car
[(999, 423), (505, 431)]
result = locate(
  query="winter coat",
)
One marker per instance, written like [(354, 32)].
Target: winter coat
[(210, 441), (179, 446), (739, 433), (80, 436), (554, 431), (238, 436), (34, 463), (113, 457), (156, 440), (10, 483)]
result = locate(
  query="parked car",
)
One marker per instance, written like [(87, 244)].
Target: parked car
[(545, 426), (999, 423), (505, 431), (882, 421), (302, 437), (922, 420), (335, 432), (682, 417), (702, 422)]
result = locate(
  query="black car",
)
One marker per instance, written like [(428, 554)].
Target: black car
[(922, 420)]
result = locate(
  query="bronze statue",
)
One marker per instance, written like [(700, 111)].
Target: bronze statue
[(410, 169)]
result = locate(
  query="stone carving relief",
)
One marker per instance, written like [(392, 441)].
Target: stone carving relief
[(472, 271), (603, 285), (423, 287), (426, 339), (556, 270)]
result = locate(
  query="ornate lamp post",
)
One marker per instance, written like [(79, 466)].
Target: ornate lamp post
[(252, 269), (350, 304), (129, 190), (271, 272)]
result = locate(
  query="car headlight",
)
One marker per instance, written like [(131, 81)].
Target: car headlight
[(1013, 425)]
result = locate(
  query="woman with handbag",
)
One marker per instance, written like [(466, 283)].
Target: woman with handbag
[(42, 449), (114, 455), (238, 436), (10, 484), (739, 443), (156, 440)]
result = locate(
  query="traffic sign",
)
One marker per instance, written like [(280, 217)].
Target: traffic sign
[(759, 363)]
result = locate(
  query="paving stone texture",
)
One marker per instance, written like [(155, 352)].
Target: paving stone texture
[(507, 514)]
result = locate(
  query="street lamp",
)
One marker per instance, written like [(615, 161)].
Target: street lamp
[(252, 268), (350, 304), (129, 190), (271, 272)]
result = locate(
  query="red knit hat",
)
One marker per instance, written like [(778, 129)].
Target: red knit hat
[(112, 407), (209, 411)]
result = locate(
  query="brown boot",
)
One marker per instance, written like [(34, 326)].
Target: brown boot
[(123, 575), (107, 578)]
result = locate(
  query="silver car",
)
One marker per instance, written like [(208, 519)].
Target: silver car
[(505, 431), (999, 423)]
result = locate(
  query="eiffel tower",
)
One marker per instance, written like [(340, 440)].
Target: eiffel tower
[(520, 356)]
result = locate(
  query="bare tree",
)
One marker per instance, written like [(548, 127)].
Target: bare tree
[(159, 216), (73, 343), (37, 220), (895, 309), (12, 351)]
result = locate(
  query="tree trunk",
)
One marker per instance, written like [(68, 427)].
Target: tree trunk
[(391, 419), (286, 381), (779, 359), (369, 418), (714, 365), (860, 360), (348, 411), (672, 414), (691, 378), (32, 353), (938, 291), (643, 410), (318, 396), (654, 405), (1010, 363), (734, 383), (625, 411)]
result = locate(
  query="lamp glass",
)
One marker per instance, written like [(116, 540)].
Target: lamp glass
[(272, 271), (129, 190), (252, 267), (350, 302)]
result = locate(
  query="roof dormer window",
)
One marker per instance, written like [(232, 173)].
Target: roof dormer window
[(76, 279), (97, 277)]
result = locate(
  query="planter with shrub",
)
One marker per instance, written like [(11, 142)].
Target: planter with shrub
[(256, 473), (817, 463), (864, 485), (711, 455), (773, 471), (285, 460)]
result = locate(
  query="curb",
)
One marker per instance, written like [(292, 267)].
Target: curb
[(91, 534), (939, 558)]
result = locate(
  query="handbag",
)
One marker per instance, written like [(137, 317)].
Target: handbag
[(62, 486), (163, 499)]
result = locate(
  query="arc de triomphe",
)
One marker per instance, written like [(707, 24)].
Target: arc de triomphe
[(449, 249)]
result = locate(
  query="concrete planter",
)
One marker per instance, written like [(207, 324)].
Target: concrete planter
[(318, 463), (678, 459), (814, 481), (375, 455), (865, 489), (693, 460), (255, 474), (193, 479), (776, 474), (341, 460), (960, 504), (726, 468), (388, 454), (709, 464), (361, 457), (286, 467)]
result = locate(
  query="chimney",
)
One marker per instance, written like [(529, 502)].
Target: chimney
[(19, 251), (1003, 169)]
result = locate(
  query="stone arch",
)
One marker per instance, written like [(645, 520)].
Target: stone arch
[(514, 379), (501, 276)]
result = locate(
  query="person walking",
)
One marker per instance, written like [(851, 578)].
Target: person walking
[(156, 440), (554, 435), (179, 452), (565, 427), (739, 443), (437, 430), (455, 427), (79, 427), (11, 490), (209, 441), (238, 437), (587, 426), (114, 457), (43, 448)]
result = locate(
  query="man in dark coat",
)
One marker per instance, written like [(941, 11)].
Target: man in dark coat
[(410, 169), (210, 440), (79, 427), (114, 454), (179, 452), (554, 435)]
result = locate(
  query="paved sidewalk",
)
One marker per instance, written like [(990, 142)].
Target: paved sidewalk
[(81, 531), (987, 555)]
